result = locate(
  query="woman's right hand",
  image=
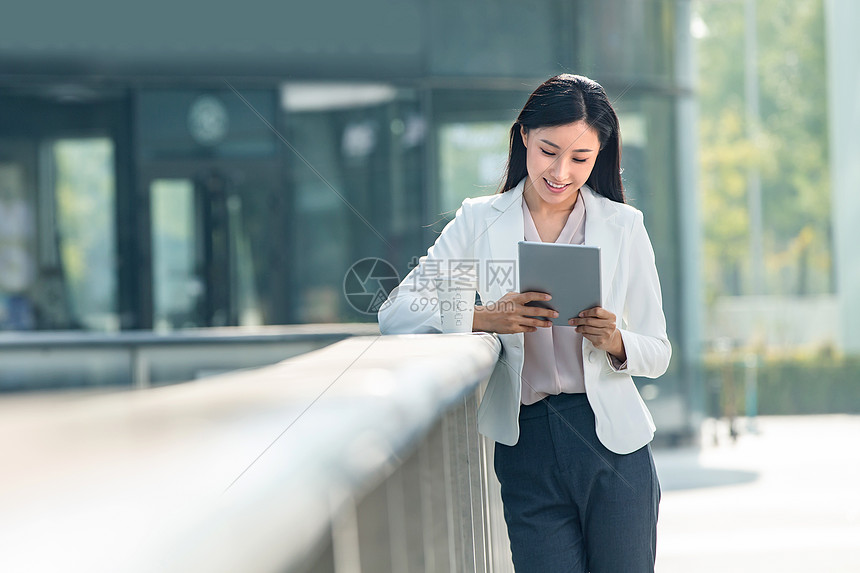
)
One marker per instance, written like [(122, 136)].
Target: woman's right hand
[(510, 314)]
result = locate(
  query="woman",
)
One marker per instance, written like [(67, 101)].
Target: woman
[(572, 453)]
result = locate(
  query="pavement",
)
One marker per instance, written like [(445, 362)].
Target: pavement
[(783, 497)]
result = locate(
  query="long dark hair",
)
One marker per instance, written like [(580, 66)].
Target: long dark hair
[(565, 99)]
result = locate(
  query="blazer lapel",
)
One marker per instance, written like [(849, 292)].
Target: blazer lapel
[(504, 229)]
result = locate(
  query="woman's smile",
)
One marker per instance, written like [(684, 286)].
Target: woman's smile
[(555, 187)]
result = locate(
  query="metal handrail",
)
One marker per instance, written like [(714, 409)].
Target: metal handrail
[(282, 468), (140, 359), (224, 335)]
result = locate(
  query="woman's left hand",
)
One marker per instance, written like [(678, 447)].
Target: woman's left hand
[(598, 325)]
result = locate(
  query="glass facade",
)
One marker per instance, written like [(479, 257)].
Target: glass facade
[(172, 198)]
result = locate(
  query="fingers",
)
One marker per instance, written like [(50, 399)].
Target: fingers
[(596, 312), (530, 296), (538, 311), (596, 322), (517, 315), (596, 316), (593, 331), (532, 324)]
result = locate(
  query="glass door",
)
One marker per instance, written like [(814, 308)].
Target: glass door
[(58, 262), (177, 286), (205, 239), (18, 263), (82, 257)]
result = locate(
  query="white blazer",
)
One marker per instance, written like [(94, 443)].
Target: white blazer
[(487, 229)]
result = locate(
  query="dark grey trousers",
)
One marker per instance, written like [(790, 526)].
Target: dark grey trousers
[(570, 504)]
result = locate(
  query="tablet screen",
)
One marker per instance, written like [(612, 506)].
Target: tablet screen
[(570, 273)]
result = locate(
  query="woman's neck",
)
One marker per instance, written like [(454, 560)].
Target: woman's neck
[(540, 208)]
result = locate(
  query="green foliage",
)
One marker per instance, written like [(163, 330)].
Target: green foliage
[(788, 386), (790, 152)]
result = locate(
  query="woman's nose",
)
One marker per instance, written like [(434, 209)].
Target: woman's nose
[(558, 171)]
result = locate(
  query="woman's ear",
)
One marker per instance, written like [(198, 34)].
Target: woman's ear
[(525, 135)]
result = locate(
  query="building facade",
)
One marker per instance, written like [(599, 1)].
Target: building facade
[(173, 167)]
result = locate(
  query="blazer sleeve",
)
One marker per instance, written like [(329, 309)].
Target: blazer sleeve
[(411, 307), (644, 330)]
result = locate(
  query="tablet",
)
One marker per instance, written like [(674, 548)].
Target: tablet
[(570, 273)]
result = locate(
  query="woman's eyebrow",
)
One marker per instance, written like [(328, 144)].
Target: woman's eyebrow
[(557, 147)]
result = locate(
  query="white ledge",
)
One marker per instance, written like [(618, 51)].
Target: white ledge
[(234, 473)]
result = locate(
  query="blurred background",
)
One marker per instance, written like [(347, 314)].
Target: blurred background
[(165, 173), (166, 168)]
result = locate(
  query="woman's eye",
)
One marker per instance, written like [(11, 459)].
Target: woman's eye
[(545, 152)]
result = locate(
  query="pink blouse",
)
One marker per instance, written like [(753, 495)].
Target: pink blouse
[(553, 356)]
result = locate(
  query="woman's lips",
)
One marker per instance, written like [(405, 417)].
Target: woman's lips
[(555, 189)]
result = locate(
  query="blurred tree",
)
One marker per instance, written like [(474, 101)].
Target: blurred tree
[(791, 154)]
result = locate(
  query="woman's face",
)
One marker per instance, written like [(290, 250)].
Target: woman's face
[(559, 161)]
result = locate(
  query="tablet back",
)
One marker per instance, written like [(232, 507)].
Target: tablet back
[(570, 273)]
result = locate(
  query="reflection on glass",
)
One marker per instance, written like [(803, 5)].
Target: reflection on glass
[(634, 167), (472, 160), (323, 222), (85, 191), (176, 288), (246, 297), (202, 262), (17, 256)]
